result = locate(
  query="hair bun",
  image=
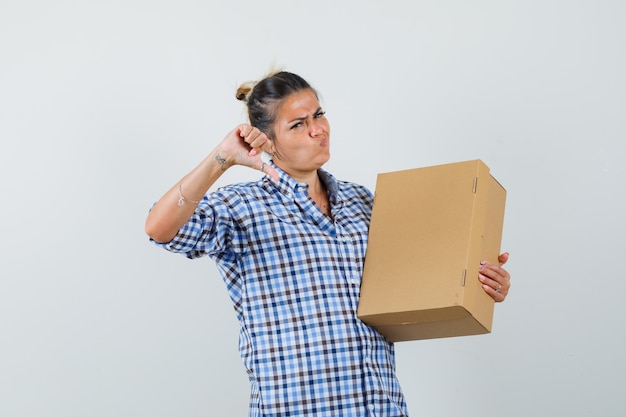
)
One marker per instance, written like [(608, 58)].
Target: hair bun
[(244, 90)]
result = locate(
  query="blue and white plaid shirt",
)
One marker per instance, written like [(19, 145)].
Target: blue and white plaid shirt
[(293, 275)]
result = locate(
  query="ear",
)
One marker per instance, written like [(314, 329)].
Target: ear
[(270, 149)]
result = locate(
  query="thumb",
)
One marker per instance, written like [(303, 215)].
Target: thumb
[(503, 258), (271, 171)]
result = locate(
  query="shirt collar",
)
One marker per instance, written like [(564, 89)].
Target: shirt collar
[(290, 187)]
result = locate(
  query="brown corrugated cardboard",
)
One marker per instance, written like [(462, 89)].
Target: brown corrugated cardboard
[(430, 229)]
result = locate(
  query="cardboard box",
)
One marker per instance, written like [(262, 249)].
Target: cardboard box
[(430, 229)]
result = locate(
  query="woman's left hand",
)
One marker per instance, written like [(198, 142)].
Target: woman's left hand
[(495, 279)]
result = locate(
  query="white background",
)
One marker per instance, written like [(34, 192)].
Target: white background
[(104, 105)]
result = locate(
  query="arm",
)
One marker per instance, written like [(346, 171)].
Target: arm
[(242, 146)]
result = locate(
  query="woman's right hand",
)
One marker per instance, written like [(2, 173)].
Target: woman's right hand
[(244, 145)]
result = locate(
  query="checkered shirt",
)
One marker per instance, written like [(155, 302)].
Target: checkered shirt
[(293, 275)]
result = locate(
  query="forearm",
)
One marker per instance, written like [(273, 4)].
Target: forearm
[(172, 211), (242, 146)]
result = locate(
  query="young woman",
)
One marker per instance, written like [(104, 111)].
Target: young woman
[(290, 248)]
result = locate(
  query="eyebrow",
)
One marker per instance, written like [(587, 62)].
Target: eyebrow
[(299, 119)]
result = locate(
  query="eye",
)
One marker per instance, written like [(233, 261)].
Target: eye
[(319, 114), (296, 125)]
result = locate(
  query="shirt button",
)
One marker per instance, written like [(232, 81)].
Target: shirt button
[(371, 407)]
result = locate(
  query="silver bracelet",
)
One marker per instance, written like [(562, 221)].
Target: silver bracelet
[(181, 197)]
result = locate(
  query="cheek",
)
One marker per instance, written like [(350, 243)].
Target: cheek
[(285, 147)]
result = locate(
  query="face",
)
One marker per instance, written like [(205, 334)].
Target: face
[(301, 134)]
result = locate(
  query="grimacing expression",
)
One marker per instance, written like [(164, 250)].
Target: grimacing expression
[(302, 132)]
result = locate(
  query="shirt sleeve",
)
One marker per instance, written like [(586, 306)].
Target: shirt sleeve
[(210, 230)]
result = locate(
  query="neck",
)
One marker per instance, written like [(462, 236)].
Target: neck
[(316, 188)]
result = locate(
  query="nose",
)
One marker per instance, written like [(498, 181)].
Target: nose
[(316, 127)]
